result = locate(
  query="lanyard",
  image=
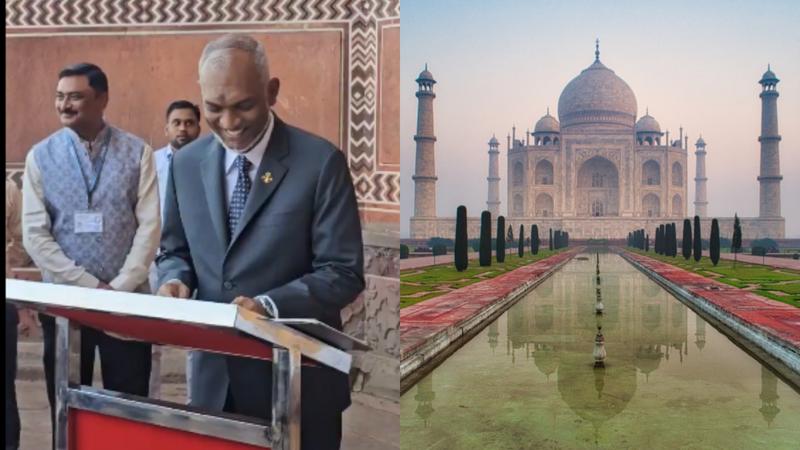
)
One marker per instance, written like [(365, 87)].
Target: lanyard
[(91, 185)]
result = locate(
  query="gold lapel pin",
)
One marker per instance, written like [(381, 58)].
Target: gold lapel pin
[(267, 178)]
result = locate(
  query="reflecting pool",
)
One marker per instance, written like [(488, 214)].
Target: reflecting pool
[(668, 379)]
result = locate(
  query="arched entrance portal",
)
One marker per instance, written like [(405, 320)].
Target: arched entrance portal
[(598, 188)]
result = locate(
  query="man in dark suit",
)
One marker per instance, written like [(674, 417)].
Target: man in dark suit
[(264, 215)]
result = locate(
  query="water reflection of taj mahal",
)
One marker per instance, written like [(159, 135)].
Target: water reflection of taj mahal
[(644, 328)]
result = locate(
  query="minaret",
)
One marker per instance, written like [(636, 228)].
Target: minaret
[(425, 168), (700, 179), (493, 202), (769, 204)]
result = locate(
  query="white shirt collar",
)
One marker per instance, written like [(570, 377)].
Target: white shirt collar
[(96, 143), (256, 154)]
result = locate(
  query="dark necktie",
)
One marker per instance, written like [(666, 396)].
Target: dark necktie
[(240, 192)]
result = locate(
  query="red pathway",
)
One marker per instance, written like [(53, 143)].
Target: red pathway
[(778, 320), (422, 321)]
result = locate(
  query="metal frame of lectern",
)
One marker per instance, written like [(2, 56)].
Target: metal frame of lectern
[(163, 321)]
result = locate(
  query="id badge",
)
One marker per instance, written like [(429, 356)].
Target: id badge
[(88, 222)]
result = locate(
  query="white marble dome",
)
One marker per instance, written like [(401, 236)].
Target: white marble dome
[(597, 96), (648, 124), (547, 124)]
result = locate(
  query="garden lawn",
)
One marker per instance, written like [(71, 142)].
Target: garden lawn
[(424, 283), (775, 283)]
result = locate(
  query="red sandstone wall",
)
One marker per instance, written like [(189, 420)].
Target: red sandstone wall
[(146, 73), (338, 64)]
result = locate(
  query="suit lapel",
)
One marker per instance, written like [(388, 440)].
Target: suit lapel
[(214, 184), (268, 176)]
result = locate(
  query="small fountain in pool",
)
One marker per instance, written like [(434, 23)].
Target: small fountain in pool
[(599, 352)]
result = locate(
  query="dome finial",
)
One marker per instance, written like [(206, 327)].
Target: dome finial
[(597, 49), (426, 66), (647, 111), (548, 110)]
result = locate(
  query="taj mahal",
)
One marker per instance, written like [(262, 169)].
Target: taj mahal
[(596, 171)]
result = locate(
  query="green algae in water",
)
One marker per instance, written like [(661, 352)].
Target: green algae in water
[(670, 380)]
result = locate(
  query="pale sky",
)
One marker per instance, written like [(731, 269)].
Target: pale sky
[(695, 64)]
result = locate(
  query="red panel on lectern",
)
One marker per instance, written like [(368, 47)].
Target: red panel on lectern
[(94, 431), (170, 333)]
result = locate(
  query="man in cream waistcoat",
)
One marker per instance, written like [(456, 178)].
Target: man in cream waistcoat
[(90, 218)]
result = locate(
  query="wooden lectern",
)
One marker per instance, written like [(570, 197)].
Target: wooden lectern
[(97, 419)]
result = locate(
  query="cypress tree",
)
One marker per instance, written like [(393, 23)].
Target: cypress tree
[(510, 236), (462, 240), (647, 242), (535, 239), (686, 244), (670, 238), (697, 240), (656, 241), (673, 240), (521, 243), (486, 239), (659, 240), (713, 244), (656, 238), (736, 243), (550, 242), (500, 245)]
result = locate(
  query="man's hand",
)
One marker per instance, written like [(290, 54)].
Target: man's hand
[(105, 286), (27, 322), (174, 289), (250, 304)]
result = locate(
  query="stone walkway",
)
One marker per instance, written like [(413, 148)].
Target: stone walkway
[(783, 263), (422, 322), (425, 261), (777, 320)]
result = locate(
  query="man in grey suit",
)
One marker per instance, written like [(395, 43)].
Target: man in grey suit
[(264, 215)]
